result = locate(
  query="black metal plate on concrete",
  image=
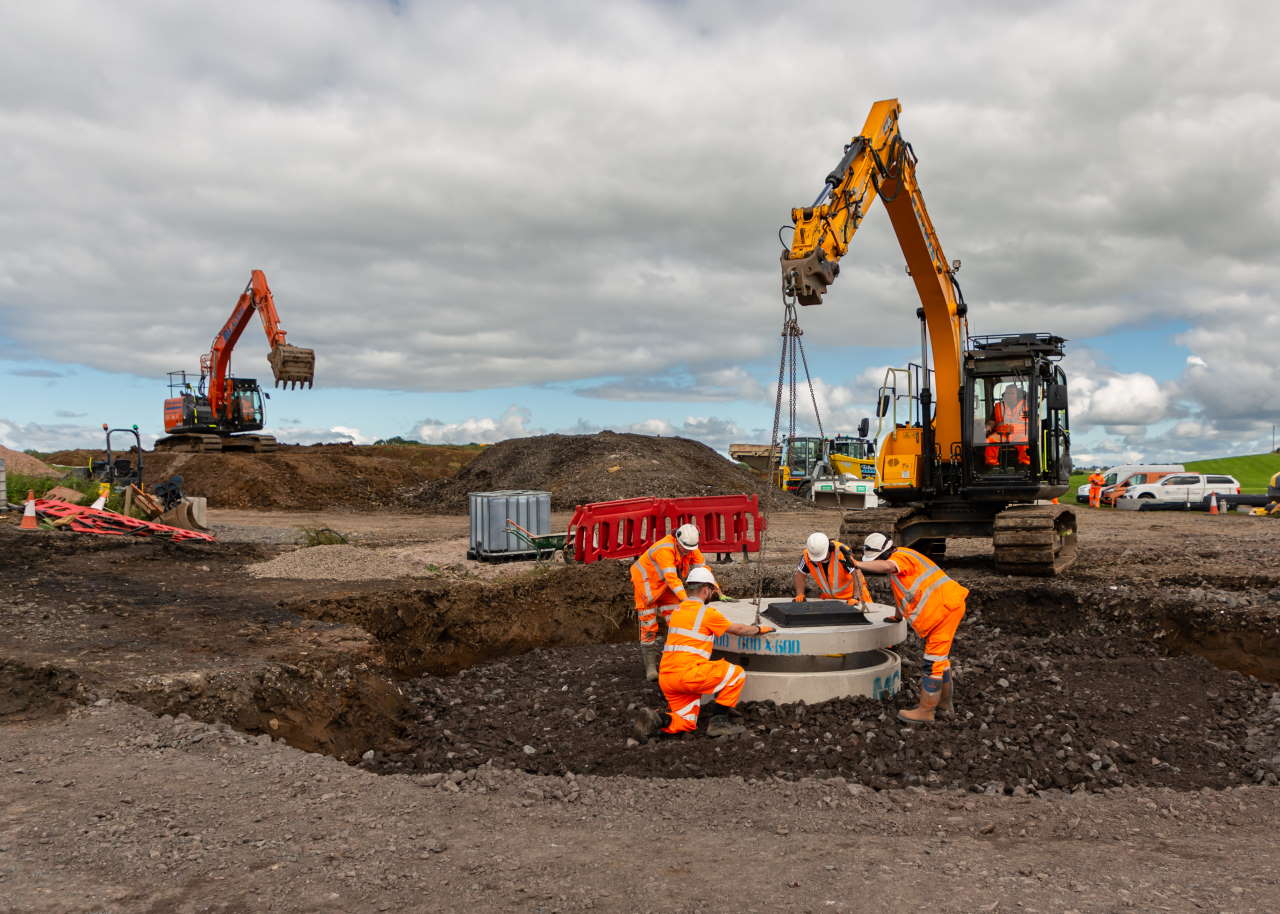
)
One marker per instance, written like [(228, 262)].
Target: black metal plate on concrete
[(815, 612)]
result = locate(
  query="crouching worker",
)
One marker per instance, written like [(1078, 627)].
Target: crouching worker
[(688, 673), (827, 567), (932, 603)]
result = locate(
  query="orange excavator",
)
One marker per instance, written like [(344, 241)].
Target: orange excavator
[(215, 413)]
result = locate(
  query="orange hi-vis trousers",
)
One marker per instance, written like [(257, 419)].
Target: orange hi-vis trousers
[(685, 683), (937, 641), (648, 613)]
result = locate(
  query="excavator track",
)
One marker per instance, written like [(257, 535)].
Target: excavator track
[(190, 444), (253, 444), (857, 524), (1035, 540)]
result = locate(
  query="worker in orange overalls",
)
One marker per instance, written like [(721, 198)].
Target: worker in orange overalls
[(1011, 417), (656, 577), (827, 566), (933, 604), (1096, 482), (688, 672)]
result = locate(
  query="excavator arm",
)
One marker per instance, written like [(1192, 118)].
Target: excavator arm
[(879, 163), (291, 365)]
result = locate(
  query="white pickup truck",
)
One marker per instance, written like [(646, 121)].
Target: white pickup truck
[(1188, 488)]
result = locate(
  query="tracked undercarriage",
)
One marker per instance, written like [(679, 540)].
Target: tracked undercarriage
[(1037, 540), (192, 443)]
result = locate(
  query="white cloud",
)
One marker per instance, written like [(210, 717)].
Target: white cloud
[(37, 436), (451, 197), (513, 423)]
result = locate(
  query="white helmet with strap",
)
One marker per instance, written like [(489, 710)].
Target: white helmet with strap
[(817, 545), (687, 536), (876, 546)]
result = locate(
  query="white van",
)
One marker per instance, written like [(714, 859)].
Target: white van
[(1123, 472)]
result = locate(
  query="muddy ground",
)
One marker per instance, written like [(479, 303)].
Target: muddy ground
[(1116, 742)]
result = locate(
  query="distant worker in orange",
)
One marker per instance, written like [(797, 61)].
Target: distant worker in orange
[(689, 673), (656, 581), (1011, 416), (1096, 482), (827, 567), (933, 604)]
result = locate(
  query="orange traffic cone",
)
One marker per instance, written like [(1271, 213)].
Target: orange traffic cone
[(29, 513), (1213, 503), (104, 489)]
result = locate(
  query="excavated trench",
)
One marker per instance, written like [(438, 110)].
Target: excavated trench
[(1072, 683), (1061, 685)]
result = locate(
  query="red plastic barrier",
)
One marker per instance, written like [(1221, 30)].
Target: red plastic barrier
[(623, 529), (88, 520), (615, 529)]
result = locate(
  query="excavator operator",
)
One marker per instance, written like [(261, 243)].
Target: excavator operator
[(1009, 418)]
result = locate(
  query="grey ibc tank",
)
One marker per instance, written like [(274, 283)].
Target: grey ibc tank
[(491, 536)]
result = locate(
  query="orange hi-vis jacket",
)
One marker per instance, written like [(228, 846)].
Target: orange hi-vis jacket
[(924, 594), (691, 634), (1011, 422), (1097, 480), (834, 580), (663, 567)]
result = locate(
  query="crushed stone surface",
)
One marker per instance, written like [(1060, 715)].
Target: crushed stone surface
[(366, 563)]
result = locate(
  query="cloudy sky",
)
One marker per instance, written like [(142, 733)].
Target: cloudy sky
[(498, 219)]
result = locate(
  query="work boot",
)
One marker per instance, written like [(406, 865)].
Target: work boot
[(930, 694), (647, 722), (945, 705), (721, 721), (649, 654)]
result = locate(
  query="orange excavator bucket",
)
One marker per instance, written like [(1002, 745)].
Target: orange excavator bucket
[(293, 366)]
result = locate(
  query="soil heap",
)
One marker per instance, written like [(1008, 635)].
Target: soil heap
[(580, 469), (298, 478), (20, 464)]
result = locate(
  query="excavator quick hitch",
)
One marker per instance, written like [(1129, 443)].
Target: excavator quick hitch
[(292, 366)]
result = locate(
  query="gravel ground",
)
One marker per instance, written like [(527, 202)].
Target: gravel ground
[(110, 810), (263, 536), (368, 563)]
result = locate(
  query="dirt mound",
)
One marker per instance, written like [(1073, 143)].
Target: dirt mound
[(18, 463), (300, 478), (579, 469)]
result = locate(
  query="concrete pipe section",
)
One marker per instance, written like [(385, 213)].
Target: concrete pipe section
[(814, 662)]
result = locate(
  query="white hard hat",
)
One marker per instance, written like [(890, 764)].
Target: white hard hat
[(875, 546), (817, 545), (687, 536), (700, 575)]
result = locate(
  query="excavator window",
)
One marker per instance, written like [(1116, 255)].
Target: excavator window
[(1002, 425)]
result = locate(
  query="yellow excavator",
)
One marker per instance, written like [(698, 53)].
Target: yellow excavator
[(979, 439)]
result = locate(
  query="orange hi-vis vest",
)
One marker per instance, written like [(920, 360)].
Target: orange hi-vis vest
[(922, 590), (1097, 479), (665, 566), (1012, 427), (834, 580), (691, 632)]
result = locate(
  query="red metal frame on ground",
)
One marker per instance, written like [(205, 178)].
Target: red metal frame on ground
[(623, 529), (87, 520)]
